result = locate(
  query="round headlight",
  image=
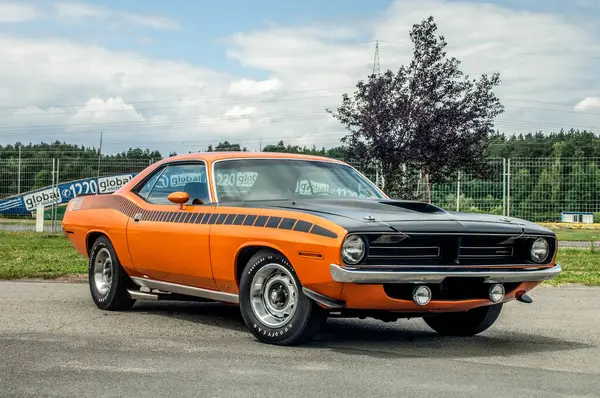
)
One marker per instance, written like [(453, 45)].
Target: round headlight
[(540, 250), (353, 249)]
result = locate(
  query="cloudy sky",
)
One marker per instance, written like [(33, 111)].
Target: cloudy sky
[(179, 75)]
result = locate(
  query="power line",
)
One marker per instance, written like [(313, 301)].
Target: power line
[(143, 125), (134, 110), (307, 115), (189, 98)]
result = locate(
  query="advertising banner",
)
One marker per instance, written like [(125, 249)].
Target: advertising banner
[(26, 203)]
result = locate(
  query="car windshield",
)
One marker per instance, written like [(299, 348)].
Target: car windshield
[(272, 179)]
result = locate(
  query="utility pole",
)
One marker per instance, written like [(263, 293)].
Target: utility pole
[(376, 67), (99, 154)]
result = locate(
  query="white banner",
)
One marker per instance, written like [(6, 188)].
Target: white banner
[(112, 184), (44, 198)]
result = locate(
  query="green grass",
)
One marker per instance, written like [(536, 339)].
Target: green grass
[(577, 234), (38, 255), (33, 255), (579, 266)]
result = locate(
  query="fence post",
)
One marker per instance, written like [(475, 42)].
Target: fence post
[(39, 219), (503, 186), (19, 173), (52, 194), (458, 193), (56, 187), (508, 189)]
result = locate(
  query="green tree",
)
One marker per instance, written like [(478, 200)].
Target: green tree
[(420, 114), (226, 146)]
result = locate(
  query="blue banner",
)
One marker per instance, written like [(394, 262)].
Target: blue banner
[(27, 202)]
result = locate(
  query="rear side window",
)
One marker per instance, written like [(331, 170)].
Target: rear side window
[(189, 178)]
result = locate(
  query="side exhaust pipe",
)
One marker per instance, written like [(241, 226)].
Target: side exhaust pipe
[(137, 295)]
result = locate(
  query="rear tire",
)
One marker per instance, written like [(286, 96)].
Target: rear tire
[(467, 323), (272, 303), (108, 280)]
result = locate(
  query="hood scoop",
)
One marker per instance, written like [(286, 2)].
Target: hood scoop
[(419, 207)]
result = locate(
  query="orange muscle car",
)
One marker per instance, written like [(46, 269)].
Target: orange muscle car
[(294, 239)]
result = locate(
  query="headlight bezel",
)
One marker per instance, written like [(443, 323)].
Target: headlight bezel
[(356, 238), (543, 259)]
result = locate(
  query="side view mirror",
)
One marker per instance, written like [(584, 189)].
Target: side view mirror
[(179, 198)]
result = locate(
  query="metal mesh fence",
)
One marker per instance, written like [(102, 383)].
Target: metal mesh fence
[(469, 194), (536, 189), (26, 175), (542, 189), (52, 183)]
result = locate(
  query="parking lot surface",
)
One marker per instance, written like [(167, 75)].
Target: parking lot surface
[(55, 342)]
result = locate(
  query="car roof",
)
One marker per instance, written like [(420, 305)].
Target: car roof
[(213, 156)]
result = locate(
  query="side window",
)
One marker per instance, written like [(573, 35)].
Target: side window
[(144, 191), (189, 178)]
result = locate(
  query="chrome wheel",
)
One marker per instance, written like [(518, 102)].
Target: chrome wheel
[(103, 271), (274, 295)]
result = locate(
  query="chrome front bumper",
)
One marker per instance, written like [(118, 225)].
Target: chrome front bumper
[(350, 275)]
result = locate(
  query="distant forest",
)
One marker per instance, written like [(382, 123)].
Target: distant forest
[(550, 173), (565, 144)]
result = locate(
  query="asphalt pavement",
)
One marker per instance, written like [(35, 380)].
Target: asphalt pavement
[(55, 342)]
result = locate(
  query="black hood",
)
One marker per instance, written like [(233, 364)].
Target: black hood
[(385, 215)]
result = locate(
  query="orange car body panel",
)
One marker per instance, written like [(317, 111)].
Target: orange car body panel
[(173, 243)]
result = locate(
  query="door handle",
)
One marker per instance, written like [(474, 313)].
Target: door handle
[(137, 217)]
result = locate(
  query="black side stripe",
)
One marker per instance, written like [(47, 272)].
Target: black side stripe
[(261, 221), (130, 209)]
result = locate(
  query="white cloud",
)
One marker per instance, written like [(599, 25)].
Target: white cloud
[(17, 12), (244, 87), (588, 104), (80, 12), (543, 59), (239, 111), (151, 21), (112, 110)]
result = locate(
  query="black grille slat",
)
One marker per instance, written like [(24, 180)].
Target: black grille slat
[(404, 252), (483, 252)]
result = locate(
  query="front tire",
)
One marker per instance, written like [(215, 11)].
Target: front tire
[(467, 323), (272, 303), (107, 279)]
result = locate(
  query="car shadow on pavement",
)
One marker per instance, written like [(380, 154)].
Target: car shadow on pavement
[(376, 338), (412, 338), (213, 314)]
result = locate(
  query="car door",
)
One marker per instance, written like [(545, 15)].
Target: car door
[(167, 241)]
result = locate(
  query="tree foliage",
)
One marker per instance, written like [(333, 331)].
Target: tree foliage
[(428, 115), (338, 152), (64, 150), (226, 146)]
